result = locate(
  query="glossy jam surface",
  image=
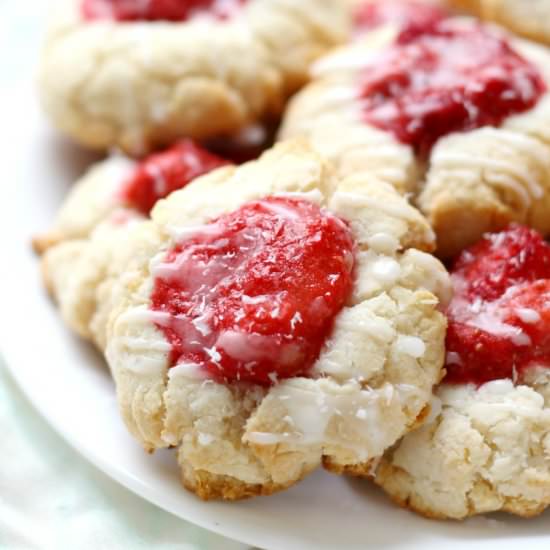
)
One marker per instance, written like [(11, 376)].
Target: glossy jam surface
[(160, 174), (252, 296), (407, 14), (453, 76), (499, 318), (158, 10)]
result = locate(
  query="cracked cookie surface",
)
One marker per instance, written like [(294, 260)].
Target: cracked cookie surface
[(369, 383), (138, 85), (485, 446)]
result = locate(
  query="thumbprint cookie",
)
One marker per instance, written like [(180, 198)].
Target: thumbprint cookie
[(486, 445), (289, 317), (139, 75), (455, 114)]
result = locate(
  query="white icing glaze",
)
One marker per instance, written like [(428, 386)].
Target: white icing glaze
[(376, 271), (179, 233), (386, 269), (383, 243), (143, 351), (309, 411), (528, 315), (137, 344), (410, 345), (341, 199), (498, 387), (281, 210), (160, 184), (488, 316), (529, 146), (187, 370), (119, 166), (509, 175), (339, 95), (343, 60), (255, 347)]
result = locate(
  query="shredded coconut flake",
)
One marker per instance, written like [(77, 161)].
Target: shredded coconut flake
[(527, 315)]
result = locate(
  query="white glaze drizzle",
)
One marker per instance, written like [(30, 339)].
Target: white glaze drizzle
[(410, 345)]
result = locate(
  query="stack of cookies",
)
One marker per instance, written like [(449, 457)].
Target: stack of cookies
[(316, 239)]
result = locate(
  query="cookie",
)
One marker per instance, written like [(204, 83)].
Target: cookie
[(288, 317), (486, 445), (140, 75), (529, 19), (96, 229), (464, 132)]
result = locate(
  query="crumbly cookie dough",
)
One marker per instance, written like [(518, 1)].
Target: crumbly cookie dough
[(485, 446), (369, 385), (483, 450), (468, 184), (141, 85), (94, 197), (79, 273)]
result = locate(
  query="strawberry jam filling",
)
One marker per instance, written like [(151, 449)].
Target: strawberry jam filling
[(158, 10), (453, 76), (499, 318), (407, 14), (160, 174), (252, 296)]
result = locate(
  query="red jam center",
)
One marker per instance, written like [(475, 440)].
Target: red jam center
[(451, 77), (160, 174), (407, 14), (252, 296), (158, 10), (499, 318)]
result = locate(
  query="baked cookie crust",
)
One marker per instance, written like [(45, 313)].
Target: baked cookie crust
[(371, 381), (528, 19), (485, 445), (142, 85), (484, 451)]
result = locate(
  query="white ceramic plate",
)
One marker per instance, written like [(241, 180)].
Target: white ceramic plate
[(70, 386)]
